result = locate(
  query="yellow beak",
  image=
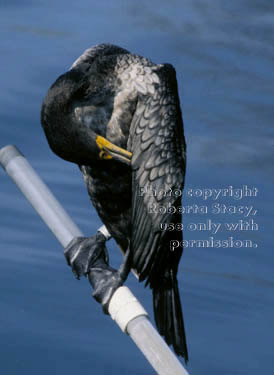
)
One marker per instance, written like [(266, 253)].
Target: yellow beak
[(110, 151)]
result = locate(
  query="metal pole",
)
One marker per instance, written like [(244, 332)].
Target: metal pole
[(124, 308)]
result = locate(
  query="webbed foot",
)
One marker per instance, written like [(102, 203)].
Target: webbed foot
[(84, 252), (105, 281), (88, 256)]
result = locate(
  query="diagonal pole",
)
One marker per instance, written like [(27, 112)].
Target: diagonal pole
[(124, 308)]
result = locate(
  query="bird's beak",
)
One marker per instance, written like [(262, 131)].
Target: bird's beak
[(110, 151)]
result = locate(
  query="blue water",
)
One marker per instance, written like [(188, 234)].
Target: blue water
[(223, 54)]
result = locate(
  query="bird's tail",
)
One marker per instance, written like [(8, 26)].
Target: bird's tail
[(168, 313)]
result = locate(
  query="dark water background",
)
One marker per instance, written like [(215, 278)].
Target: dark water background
[(223, 53)]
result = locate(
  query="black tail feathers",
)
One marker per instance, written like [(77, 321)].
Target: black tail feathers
[(168, 313)]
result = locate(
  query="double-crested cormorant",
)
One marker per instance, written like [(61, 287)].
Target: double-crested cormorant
[(117, 115)]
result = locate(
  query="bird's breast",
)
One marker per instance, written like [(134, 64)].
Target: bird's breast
[(110, 193)]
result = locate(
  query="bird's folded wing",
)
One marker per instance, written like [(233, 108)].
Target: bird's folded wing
[(158, 169)]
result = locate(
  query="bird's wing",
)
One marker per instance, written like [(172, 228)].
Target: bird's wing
[(158, 168)]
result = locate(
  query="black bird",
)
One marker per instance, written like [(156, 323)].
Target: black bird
[(117, 115)]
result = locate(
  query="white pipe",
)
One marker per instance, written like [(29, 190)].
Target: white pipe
[(124, 308), (39, 195)]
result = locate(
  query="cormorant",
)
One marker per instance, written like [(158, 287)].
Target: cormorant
[(117, 115)]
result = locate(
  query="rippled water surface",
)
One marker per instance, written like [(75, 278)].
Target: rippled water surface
[(223, 54)]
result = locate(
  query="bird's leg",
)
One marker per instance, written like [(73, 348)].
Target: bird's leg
[(84, 252), (125, 266), (105, 280)]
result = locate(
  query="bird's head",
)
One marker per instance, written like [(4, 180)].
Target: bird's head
[(70, 138)]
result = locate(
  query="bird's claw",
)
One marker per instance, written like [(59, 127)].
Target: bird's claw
[(82, 253), (105, 281), (88, 256)]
